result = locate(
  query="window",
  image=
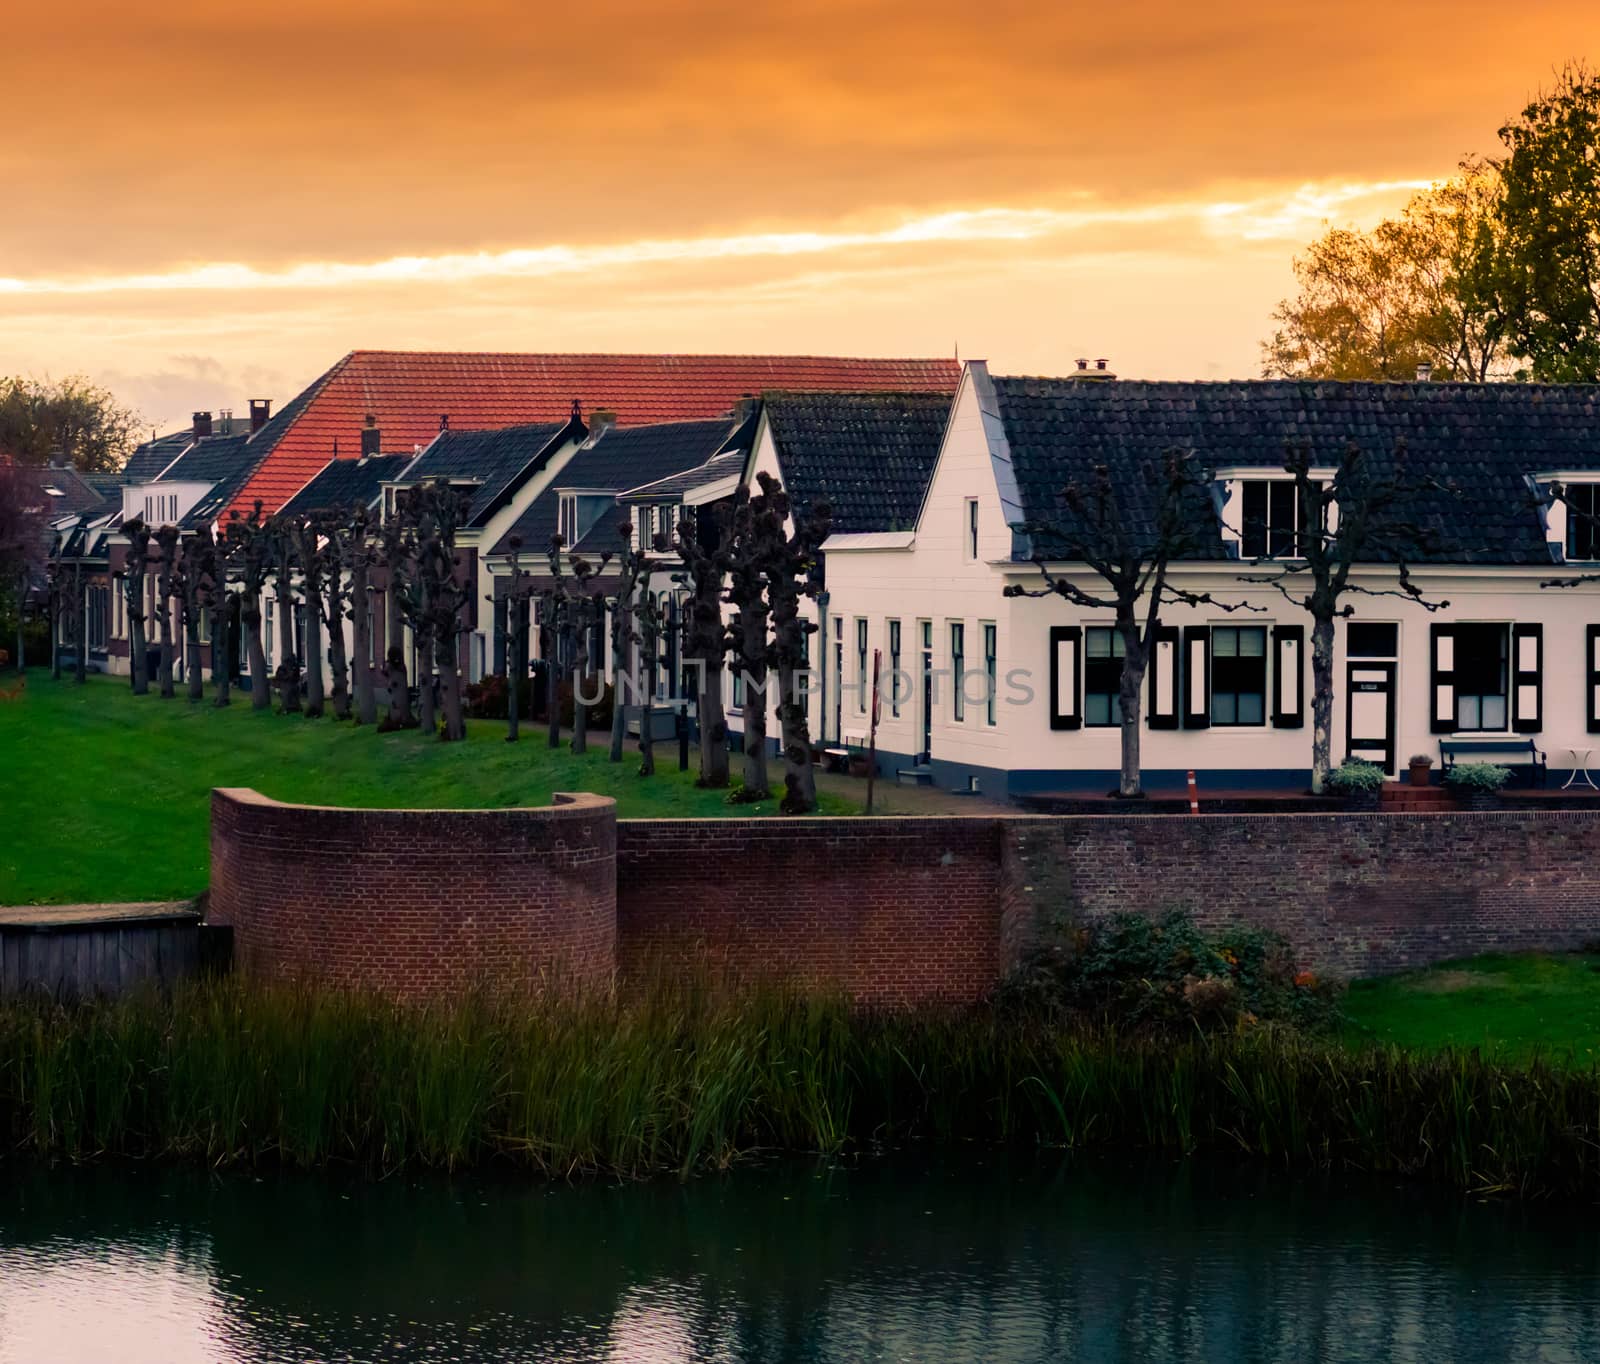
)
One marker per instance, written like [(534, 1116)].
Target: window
[(567, 519), (894, 667), (1102, 677), (958, 670), (268, 635), (1368, 639), (1238, 675), (990, 664), (863, 682), (1269, 518), (1583, 527), (972, 528), (1481, 656), (738, 688)]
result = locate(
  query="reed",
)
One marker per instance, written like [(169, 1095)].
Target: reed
[(676, 1079)]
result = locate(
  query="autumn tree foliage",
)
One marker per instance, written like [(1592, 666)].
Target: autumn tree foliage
[(71, 419)]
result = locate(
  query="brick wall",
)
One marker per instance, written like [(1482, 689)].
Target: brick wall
[(417, 900), (1357, 894), (892, 911)]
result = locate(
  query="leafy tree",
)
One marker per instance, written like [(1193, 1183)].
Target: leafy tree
[(1128, 532), (73, 418), (1363, 515), (1547, 274), (1375, 305), (22, 540)]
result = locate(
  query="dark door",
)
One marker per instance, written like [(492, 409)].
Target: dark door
[(927, 689), (1369, 713)]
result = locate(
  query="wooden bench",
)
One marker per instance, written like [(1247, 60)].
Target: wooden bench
[(838, 756), (1529, 753)]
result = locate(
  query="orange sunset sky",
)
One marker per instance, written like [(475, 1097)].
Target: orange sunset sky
[(214, 201)]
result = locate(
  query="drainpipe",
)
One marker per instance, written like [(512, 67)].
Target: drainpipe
[(824, 660)]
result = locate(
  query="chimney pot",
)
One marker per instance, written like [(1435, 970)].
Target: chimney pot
[(260, 413), (1100, 364), (1424, 372), (202, 424), (444, 421), (1083, 364)]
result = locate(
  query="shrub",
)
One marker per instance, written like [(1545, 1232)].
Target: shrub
[(490, 699), (1468, 777), (1140, 974), (1355, 777)]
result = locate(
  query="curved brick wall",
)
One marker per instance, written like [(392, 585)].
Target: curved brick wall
[(417, 901)]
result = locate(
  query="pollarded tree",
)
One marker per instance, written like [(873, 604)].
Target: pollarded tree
[(247, 548), (192, 592), (1127, 533), (167, 540), (706, 564), (280, 543), (587, 601), (302, 536), (357, 557), (647, 626), (792, 569), (331, 532), (211, 564), (554, 623), (444, 594), (633, 567), (753, 523), (1362, 515), (519, 592), (398, 570), (135, 571)]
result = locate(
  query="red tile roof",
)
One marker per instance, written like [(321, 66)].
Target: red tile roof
[(408, 391)]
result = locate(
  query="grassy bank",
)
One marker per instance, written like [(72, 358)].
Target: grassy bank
[(1513, 1007), (226, 1073), (108, 794)]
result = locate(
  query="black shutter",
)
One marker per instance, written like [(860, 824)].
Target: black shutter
[(1066, 677), (1442, 691), (1289, 676), (1527, 682), (1592, 640), (1165, 675), (1196, 675)]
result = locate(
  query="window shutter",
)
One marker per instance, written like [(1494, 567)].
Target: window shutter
[(1442, 660), (1289, 676), (1066, 680), (1196, 677), (1527, 678), (1164, 675), (1594, 678)]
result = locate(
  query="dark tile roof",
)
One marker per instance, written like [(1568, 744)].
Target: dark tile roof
[(667, 489), (149, 459), (868, 455), (210, 459), (493, 460), (347, 483), (1482, 441), (619, 458), (63, 491)]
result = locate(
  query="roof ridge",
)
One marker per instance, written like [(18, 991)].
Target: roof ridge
[(666, 355)]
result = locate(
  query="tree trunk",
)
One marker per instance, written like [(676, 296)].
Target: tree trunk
[(580, 689), (222, 647), (756, 781), (427, 717), (799, 776), (1130, 693), (647, 714), (366, 699), (1321, 701), (138, 641), (338, 665), (313, 649), (255, 650), (193, 673), (552, 685), (449, 666), (164, 634), (80, 667), (713, 728), (399, 716), (623, 674), (288, 662)]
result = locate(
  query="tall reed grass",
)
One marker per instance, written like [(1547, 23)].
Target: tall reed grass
[(233, 1073)]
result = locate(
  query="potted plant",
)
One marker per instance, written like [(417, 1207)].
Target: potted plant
[(1358, 782), (1477, 785), (1421, 769)]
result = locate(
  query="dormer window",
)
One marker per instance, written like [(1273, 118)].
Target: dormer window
[(1269, 519), (567, 522), (1583, 520)]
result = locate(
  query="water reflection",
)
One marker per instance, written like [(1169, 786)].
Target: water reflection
[(892, 1260)]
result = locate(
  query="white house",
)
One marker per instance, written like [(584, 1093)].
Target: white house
[(1228, 693)]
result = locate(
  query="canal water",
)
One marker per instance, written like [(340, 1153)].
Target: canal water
[(892, 1259)]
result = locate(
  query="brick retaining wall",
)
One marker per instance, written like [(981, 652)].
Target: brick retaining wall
[(891, 910), (417, 900)]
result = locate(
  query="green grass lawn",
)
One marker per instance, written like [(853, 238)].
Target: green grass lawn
[(1509, 1006), (107, 795)]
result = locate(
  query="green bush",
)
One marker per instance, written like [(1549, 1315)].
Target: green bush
[(1355, 777), (1477, 776), (1134, 973)]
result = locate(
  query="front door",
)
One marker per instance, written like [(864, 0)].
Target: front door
[(926, 629), (1369, 713)]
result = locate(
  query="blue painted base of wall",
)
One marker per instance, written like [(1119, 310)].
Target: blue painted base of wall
[(1098, 781)]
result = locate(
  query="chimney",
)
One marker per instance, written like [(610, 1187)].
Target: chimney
[(260, 413), (371, 437), (1424, 372), (225, 422), (1099, 373), (744, 408), (202, 424), (444, 421), (600, 419)]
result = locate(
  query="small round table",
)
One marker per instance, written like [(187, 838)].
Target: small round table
[(1580, 768)]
